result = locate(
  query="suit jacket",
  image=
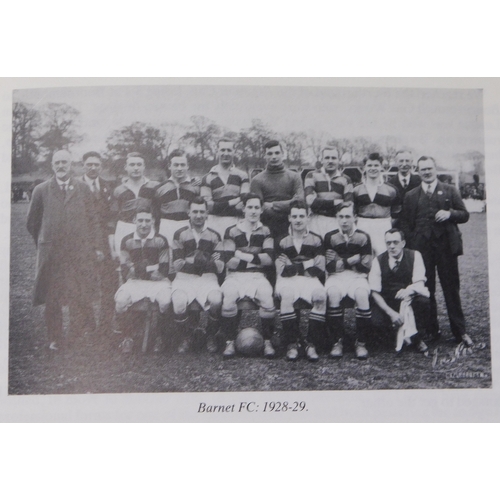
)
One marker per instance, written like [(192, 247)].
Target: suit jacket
[(66, 233), (414, 182), (103, 200), (448, 199)]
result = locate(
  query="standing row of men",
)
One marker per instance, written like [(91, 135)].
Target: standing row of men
[(81, 228)]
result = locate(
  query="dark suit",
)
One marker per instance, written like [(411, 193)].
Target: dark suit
[(66, 233), (414, 182), (107, 269), (440, 245)]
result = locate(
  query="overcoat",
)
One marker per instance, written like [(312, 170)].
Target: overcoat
[(66, 233), (448, 199)]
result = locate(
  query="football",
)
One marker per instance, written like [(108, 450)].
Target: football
[(249, 342)]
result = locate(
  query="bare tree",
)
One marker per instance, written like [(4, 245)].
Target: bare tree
[(140, 137), (295, 143), (391, 146), (25, 124), (203, 134), (60, 124), (172, 136), (250, 146), (362, 147), (316, 141)]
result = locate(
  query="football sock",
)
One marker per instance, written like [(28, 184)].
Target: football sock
[(290, 327), (229, 327), (335, 323), (363, 324)]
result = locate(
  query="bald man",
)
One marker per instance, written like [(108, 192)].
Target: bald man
[(64, 225)]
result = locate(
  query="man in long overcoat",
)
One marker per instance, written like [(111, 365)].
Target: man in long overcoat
[(63, 224)]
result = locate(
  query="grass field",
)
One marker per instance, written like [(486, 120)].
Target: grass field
[(94, 365)]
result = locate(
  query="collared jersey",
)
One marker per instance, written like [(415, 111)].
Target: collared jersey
[(329, 192), (125, 203), (196, 251), (171, 200), (385, 204), (358, 243), (222, 192), (259, 243), (311, 254), (141, 254)]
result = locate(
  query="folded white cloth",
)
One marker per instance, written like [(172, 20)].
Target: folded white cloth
[(408, 328)]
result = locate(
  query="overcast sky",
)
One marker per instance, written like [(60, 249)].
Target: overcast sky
[(436, 122)]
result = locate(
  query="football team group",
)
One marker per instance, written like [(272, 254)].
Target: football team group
[(200, 248)]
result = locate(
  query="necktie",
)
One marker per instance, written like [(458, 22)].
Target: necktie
[(94, 186), (405, 183), (396, 266), (429, 191)]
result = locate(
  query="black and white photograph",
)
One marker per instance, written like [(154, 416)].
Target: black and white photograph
[(248, 238)]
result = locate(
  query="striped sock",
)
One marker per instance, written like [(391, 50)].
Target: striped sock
[(363, 324), (290, 327), (335, 323)]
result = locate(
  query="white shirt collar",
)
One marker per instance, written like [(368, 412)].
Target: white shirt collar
[(392, 260), (90, 181), (433, 185), (404, 177), (62, 183)]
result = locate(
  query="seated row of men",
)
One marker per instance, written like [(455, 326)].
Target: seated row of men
[(302, 260), (71, 219)]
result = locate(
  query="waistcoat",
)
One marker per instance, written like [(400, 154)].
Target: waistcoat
[(392, 281), (427, 208)]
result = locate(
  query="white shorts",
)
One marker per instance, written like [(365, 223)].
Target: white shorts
[(348, 282), (122, 229), (321, 224), (302, 287), (220, 224), (376, 229), (196, 287), (135, 290), (168, 228), (246, 284)]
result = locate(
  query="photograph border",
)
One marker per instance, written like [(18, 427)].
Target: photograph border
[(376, 405)]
